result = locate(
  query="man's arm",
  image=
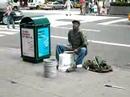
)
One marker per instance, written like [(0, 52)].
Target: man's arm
[(84, 39), (69, 41), (69, 37)]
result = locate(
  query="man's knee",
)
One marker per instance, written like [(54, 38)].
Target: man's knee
[(84, 50), (58, 46)]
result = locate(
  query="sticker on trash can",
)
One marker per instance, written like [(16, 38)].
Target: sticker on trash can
[(43, 41), (27, 42)]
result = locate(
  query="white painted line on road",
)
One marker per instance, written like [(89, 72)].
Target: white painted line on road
[(59, 37), (5, 26), (8, 33), (8, 30), (118, 25), (113, 21), (109, 43), (2, 35), (92, 30), (98, 42)]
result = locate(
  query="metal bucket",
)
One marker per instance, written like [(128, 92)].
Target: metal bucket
[(50, 70)]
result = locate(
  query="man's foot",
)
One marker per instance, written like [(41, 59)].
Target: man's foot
[(71, 69)]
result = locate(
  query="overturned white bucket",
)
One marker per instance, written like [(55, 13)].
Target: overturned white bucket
[(50, 70), (66, 60)]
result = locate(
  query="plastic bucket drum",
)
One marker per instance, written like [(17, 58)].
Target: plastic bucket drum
[(66, 60), (50, 70)]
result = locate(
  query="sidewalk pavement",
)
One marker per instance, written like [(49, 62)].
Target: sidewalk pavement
[(23, 79)]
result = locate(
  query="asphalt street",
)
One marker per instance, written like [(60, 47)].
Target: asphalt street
[(108, 36)]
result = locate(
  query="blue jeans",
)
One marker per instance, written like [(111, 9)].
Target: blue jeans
[(10, 20), (79, 55)]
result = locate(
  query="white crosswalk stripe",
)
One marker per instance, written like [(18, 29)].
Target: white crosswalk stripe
[(91, 30), (4, 31), (113, 21), (60, 20), (7, 32), (2, 35)]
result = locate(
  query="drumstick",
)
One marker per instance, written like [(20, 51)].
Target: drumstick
[(113, 86)]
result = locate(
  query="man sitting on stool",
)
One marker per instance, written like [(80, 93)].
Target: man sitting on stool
[(78, 44)]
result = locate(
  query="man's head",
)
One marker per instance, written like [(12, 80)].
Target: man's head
[(76, 24)]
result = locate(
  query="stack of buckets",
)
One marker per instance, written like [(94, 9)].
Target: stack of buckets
[(50, 70)]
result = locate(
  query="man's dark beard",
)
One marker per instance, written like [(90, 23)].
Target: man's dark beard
[(75, 29)]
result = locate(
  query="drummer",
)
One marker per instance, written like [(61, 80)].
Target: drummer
[(77, 43)]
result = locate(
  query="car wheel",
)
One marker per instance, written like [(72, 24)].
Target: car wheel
[(4, 20)]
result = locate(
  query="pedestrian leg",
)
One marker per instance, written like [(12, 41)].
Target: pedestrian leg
[(8, 21), (13, 23), (81, 10)]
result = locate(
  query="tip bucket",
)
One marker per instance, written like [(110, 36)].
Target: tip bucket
[(50, 70)]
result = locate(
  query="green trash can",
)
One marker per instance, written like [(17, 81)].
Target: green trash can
[(35, 39)]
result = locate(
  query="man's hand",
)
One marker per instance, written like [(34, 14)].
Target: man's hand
[(69, 47), (75, 50)]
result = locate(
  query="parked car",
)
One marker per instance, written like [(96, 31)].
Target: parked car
[(129, 16), (53, 5), (35, 4)]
